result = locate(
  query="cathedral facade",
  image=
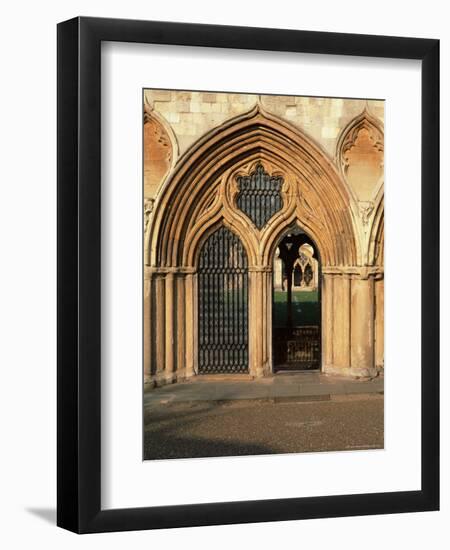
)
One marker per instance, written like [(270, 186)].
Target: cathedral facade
[(264, 235)]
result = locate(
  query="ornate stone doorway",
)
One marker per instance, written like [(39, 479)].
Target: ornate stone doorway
[(296, 304), (257, 179)]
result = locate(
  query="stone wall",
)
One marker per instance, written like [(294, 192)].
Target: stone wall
[(190, 115)]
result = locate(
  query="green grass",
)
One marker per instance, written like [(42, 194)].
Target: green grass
[(305, 308), (305, 305)]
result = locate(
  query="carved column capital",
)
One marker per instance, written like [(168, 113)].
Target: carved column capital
[(354, 272)]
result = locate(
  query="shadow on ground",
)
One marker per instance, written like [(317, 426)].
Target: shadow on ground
[(208, 429), (163, 440)]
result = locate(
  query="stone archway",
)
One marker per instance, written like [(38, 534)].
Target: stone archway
[(203, 193), (296, 308)]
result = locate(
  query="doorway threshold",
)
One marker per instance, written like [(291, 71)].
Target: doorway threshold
[(296, 371), (222, 376)]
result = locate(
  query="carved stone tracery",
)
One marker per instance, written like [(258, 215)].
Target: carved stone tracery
[(366, 209), (259, 195)]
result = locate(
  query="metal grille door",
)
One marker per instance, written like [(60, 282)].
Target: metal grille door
[(297, 348), (303, 347), (223, 305)]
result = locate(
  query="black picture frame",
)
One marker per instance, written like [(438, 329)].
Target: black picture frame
[(79, 281)]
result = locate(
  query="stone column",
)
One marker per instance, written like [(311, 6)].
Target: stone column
[(316, 273), (264, 334), (147, 331), (277, 274), (169, 326), (255, 321), (195, 322), (327, 321), (160, 312), (189, 324), (181, 324), (341, 322), (362, 327), (267, 321), (379, 324)]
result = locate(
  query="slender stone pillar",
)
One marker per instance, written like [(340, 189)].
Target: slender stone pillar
[(159, 323), (266, 287), (181, 324), (362, 327), (341, 322), (269, 321), (278, 273), (195, 338), (147, 332), (255, 321), (315, 273), (251, 304), (189, 326), (261, 324), (327, 321), (379, 324), (169, 333)]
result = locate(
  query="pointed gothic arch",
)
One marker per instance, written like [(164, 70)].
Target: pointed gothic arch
[(201, 195), (204, 182)]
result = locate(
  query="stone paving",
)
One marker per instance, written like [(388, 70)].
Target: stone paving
[(259, 427), (305, 386)]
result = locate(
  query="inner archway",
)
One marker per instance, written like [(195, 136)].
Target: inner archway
[(296, 304)]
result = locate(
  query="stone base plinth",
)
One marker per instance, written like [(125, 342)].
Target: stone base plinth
[(351, 372)]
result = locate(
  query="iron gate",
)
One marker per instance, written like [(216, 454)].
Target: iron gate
[(223, 305), (297, 348)]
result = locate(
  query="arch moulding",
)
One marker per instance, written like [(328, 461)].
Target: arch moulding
[(201, 195), (202, 191)]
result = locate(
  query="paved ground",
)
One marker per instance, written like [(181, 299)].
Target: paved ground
[(287, 413), (282, 386), (205, 429)]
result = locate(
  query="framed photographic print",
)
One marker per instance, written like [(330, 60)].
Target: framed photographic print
[(231, 347)]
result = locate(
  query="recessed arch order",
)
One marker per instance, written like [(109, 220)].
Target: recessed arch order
[(201, 194)]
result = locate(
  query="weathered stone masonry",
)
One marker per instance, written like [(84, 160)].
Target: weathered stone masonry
[(329, 153)]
